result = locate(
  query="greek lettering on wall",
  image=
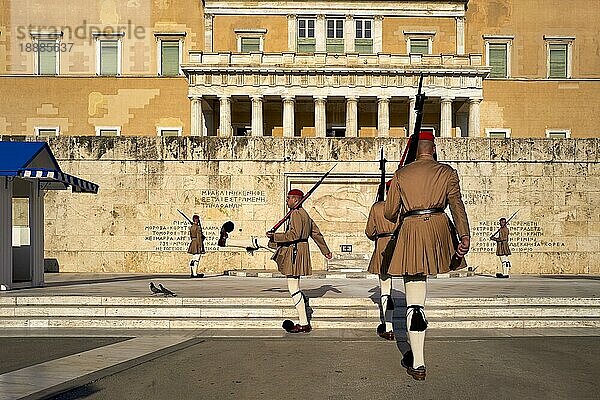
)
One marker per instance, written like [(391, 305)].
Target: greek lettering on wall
[(525, 237), (176, 236), (210, 198)]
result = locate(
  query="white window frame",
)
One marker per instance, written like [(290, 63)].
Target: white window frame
[(567, 132), (159, 130), (363, 20), (498, 39), (335, 28), (118, 37), (168, 37), (506, 131), (314, 19), (410, 35), (568, 40), (100, 128), (42, 35), (37, 130), (250, 33)]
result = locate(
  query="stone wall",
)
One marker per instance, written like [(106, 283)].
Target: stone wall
[(132, 224)]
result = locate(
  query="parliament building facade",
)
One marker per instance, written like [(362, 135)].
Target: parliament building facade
[(492, 68)]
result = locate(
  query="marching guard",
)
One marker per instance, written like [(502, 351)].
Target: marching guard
[(426, 244)]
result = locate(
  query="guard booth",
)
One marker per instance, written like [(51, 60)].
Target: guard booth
[(27, 170)]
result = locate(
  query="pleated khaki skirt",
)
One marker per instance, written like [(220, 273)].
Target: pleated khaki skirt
[(424, 246), (380, 260)]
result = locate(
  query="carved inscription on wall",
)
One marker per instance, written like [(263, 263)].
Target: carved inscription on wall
[(525, 236), (210, 198), (176, 237)]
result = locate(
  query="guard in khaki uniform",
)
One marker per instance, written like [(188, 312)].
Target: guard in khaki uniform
[(425, 245), (293, 254), (196, 247), (502, 248), (381, 231)]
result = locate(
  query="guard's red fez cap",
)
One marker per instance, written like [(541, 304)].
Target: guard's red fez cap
[(388, 184), (296, 192), (426, 135)]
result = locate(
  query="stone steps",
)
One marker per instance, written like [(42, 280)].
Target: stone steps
[(268, 312), (245, 311), (275, 323)]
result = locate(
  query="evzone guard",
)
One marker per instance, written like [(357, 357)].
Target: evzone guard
[(381, 231), (426, 243), (502, 247), (293, 255)]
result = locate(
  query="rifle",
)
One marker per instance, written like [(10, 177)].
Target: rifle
[(381, 189), (302, 200), (185, 216), (507, 221), (410, 152)]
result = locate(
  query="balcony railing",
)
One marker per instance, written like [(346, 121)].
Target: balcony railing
[(353, 60)]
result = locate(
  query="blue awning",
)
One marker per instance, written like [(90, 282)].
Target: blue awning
[(34, 160)]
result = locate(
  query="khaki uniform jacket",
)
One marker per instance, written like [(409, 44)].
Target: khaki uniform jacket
[(293, 254), (378, 225), (197, 244), (425, 243), (502, 248)]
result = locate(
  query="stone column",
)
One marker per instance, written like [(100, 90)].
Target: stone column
[(446, 117), (377, 34), (288, 116), (412, 115), (36, 232), (6, 255), (197, 123), (351, 116), (225, 116), (292, 21), (321, 34), (257, 116), (320, 116), (460, 35), (208, 32), (383, 116), (474, 124), (349, 34)]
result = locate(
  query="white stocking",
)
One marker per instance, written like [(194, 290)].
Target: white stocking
[(505, 265), (385, 285), (415, 288), (298, 298), (194, 264)]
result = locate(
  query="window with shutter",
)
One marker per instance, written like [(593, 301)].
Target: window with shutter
[(169, 58), (363, 43), (558, 61), (250, 44), (498, 60), (47, 56), (335, 35), (419, 46), (109, 57), (306, 35)]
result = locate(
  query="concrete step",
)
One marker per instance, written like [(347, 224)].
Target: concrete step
[(285, 301), (275, 323), (287, 311)]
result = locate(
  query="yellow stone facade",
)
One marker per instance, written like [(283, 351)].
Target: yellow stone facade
[(259, 122)]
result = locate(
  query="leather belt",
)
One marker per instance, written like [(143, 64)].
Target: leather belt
[(423, 212), (285, 244), (382, 235)]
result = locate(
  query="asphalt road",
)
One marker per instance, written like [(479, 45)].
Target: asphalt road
[(311, 368), (21, 352)]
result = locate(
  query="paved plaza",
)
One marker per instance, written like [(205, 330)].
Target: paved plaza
[(329, 363)]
